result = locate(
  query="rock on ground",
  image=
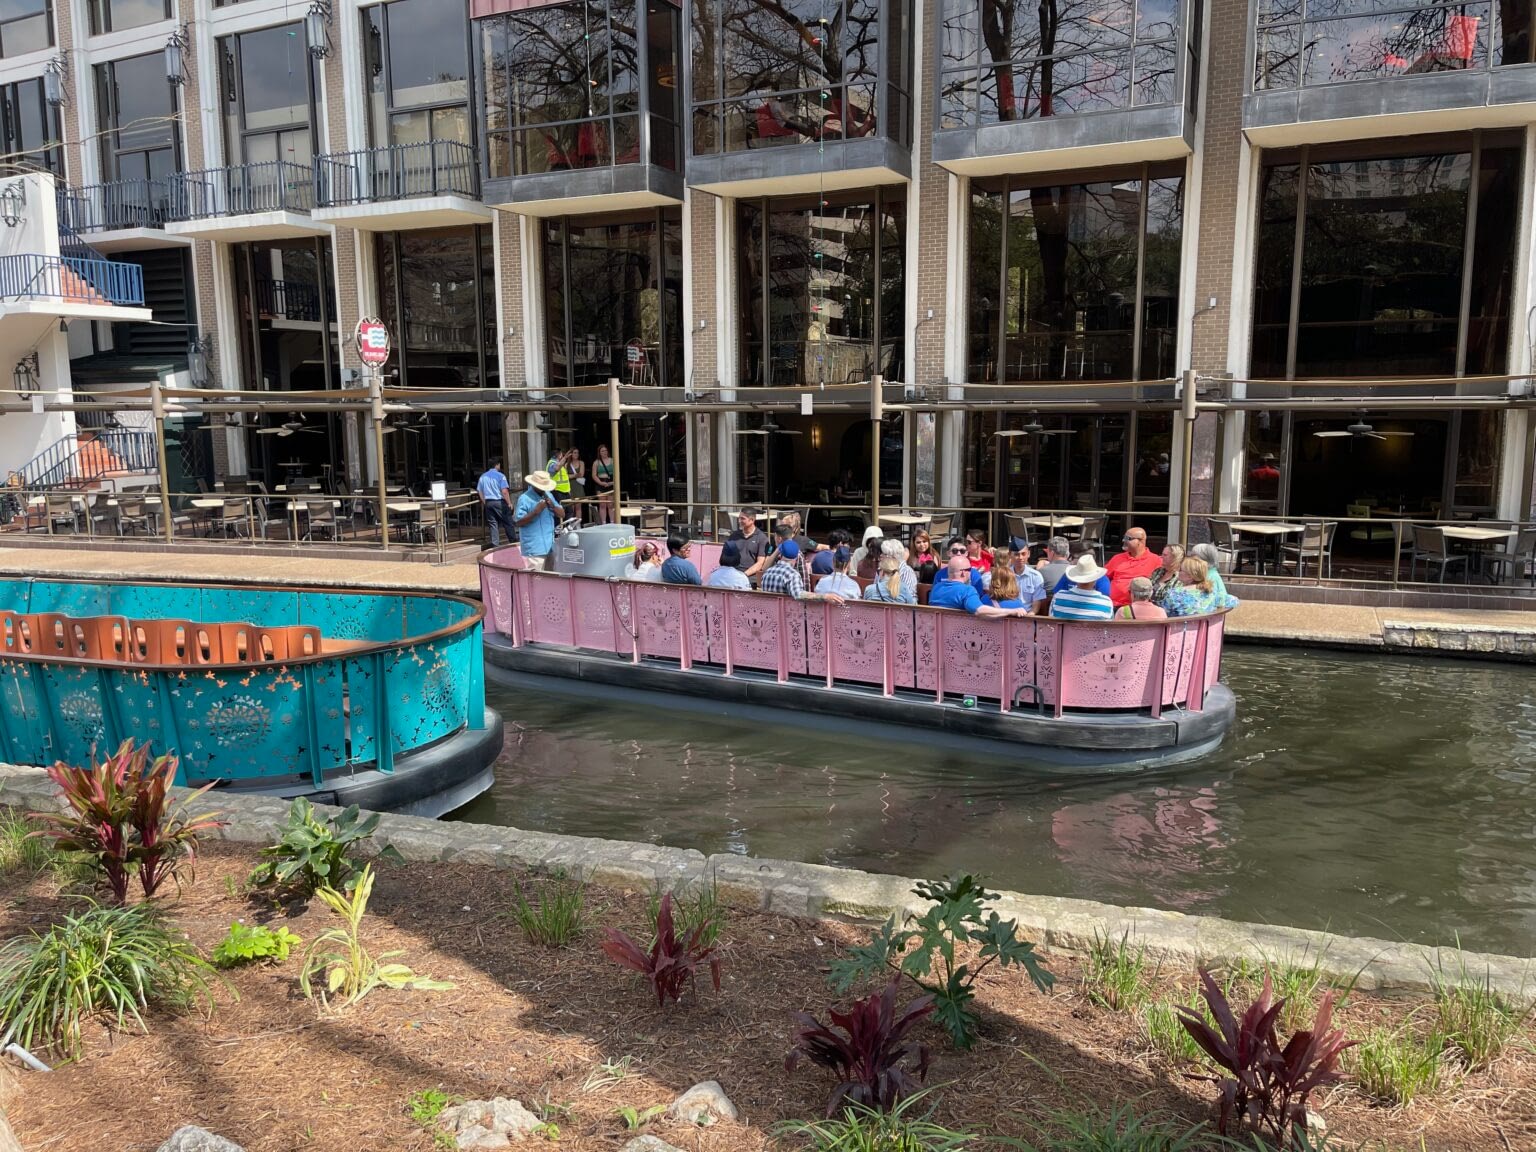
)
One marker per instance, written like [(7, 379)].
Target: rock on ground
[(649, 1144), (482, 1125), (703, 1104), (191, 1138)]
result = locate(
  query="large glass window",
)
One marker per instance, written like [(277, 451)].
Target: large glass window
[(1303, 43), (799, 72), (566, 86), (1075, 281), (822, 284), (30, 131), (116, 15), (613, 299), (25, 26), (418, 64), (1001, 60), (1400, 265), (137, 112), (437, 294), (269, 85)]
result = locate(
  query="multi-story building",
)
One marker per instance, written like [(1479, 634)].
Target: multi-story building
[(1021, 214)]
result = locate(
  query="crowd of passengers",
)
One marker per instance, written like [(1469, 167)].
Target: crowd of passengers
[(966, 574)]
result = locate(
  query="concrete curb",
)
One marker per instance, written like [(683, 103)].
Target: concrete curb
[(815, 891)]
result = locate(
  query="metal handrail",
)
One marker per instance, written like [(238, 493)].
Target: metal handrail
[(397, 172), (271, 186), (113, 205), (69, 278)]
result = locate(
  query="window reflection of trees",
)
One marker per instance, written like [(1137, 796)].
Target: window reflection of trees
[(1005, 60)]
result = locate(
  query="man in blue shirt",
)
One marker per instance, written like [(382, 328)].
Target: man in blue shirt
[(496, 500), (1101, 584), (677, 568), (536, 515), (957, 591)]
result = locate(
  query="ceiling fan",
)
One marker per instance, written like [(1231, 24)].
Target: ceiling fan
[(289, 427), (1360, 428), (1032, 427), (769, 428)]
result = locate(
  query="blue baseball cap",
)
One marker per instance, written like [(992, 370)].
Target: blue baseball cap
[(789, 550)]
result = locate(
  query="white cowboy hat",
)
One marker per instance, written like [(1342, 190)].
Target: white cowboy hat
[(1085, 571), (540, 480)]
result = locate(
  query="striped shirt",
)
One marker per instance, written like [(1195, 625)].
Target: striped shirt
[(1076, 604)]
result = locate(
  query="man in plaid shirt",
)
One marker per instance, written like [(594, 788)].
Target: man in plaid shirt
[(783, 576)]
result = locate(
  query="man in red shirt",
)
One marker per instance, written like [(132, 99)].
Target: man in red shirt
[(1134, 561)]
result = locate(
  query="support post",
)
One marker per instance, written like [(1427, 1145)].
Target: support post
[(157, 410), (376, 404), (876, 418), (1189, 413), (613, 438)]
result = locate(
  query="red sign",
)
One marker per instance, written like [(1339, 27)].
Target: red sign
[(372, 342)]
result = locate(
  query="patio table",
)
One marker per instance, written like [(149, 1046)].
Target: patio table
[(1477, 537), (1272, 531)]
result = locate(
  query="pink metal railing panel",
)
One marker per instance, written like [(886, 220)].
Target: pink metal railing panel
[(816, 638), (1110, 666), (753, 622), (1024, 636), (1179, 660), (858, 642), (596, 623), (699, 628), (973, 656), (904, 646), (659, 620), (550, 619), (794, 633), (496, 595), (925, 627)]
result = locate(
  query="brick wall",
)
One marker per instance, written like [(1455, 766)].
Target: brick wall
[(705, 264), (930, 215), (514, 358), (76, 89)]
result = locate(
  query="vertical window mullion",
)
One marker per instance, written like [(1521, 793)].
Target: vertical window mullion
[(1468, 237), (1137, 322), (1005, 216), (1298, 238)]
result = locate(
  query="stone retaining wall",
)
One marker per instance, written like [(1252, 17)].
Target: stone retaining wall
[(1484, 642), (816, 891)]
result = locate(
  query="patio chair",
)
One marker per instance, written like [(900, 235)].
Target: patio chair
[(322, 517), (1317, 542), (102, 516), (233, 518), (1227, 544), (1522, 550), (1432, 549), (1369, 533), (1018, 531), (725, 524), (942, 525), (60, 510), (1408, 547), (1092, 535), (432, 521), (654, 521), (132, 512)]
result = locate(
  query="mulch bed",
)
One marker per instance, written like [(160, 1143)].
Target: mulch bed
[(272, 1072)]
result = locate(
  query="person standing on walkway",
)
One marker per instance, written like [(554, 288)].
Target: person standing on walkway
[(602, 476), (578, 470), (536, 515), (559, 471), (496, 500)]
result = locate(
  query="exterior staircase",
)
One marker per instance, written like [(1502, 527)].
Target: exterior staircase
[(87, 458)]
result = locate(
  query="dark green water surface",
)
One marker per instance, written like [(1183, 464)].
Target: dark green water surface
[(1377, 796)]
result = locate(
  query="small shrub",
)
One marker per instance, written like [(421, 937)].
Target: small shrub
[(901, 1129), (698, 907), (635, 1119), (1267, 1085), (114, 960), (426, 1106), (1476, 1021), (1116, 976), (1121, 1129), (311, 854), (248, 943), (121, 816), (556, 919), (1394, 1066), (21, 850), (670, 963), (927, 952), (1164, 1031), (350, 971), (866, 1048)]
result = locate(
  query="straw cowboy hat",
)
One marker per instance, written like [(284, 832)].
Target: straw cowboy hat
[(1085, 571), (540, 480)]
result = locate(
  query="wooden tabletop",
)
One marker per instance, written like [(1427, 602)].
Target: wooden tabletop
[(1265, 527), (903, 518), (1054, 521), (403, 506), (1477, 532)]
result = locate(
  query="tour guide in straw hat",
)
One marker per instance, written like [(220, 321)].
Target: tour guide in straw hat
[(536, 515)]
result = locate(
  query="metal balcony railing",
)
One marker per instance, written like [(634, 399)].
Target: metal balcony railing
[(398, 172), (290, 299), (272, 186), (99, 282), (114, 205)]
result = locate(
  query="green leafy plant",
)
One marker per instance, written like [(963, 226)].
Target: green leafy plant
[(311, 853), (426, 1106), (350, 971), (1397, 1065), (697, 907), (1166, 1035), (902, 1129), (1477, 1022), (1122, 1128), (120, 814), (21, 850), (248, 943), (927, 950), (608, 1073), (556, 918), (635, 1119), (1116, 975), (110, 960)]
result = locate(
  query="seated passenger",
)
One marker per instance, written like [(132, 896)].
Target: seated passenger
[(821, 563), (957, 591), (977, 551), (891, 584), (1196, 595), (867, 554), (896, 550), (783, 576), (729, 575), (1080, 554), (1083, 598), (840, 583), (1166, 578), (646, 567), (677, 568), (1141, 606), (1058, 558), (1031, 583), (1212, 558), (1008, 590)]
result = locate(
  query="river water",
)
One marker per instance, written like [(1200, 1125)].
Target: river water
[(1376, 796)]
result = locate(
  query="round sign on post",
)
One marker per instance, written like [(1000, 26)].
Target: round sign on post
[(372, 342)]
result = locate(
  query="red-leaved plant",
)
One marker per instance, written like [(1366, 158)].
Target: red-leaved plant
[(671, 962), (1266, 1085), (866, 1047), (121, 814)]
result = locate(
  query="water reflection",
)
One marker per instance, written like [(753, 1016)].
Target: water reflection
[(1382, 797)]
